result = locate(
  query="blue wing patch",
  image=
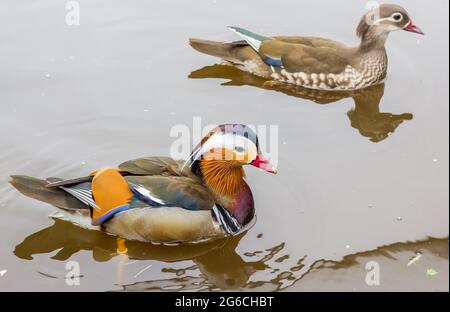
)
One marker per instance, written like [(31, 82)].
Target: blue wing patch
[(272, 61), (110, 214)]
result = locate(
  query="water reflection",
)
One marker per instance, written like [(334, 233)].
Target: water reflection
[(365, 116), (403, 266), (216, 265)]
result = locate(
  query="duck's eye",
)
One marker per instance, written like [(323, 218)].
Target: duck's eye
[(239, 149), (397, 17)]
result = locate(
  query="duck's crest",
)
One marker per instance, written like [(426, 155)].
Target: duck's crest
[(363, 27)]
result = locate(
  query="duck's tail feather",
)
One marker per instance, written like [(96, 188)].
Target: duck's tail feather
[(237, 52), (37, 189), (222, 50)]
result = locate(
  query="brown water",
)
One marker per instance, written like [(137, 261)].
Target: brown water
[(362, 177)]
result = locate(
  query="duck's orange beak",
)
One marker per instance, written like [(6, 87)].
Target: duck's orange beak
[(262, 163), (413, 28)]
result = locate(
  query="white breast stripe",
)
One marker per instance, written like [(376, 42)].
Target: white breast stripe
[(232, 219), (219, 216)]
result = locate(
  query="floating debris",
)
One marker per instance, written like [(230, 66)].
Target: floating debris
[(47, 275), (142, 271), (399, 219), (131, 262), (347, 246), (48, 76), (56, 214), (435, 160), (83, 163), (3, 272), (431, 272), (415, 259)]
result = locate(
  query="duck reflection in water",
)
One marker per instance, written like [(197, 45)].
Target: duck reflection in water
[(365, 116), (218, 265)]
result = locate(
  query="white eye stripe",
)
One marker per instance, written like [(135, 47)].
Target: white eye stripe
[(397, 17), (390, 18), (230, 142)]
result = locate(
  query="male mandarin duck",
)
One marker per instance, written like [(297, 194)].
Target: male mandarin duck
[(161, 200), (312, 62)]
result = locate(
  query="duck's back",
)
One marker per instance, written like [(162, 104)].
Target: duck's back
[(311, 41)]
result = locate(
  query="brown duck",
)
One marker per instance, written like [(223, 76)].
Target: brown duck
[(316, 63)]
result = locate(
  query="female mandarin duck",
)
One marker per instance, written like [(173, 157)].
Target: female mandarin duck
[(160, 200), (316, 63)]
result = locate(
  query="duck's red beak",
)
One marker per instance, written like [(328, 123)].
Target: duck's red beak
[(262, 163), (413, 28)]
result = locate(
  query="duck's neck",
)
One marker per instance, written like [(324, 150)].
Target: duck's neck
[(226, 182), (223, 178), (372, 40), (371, 57)]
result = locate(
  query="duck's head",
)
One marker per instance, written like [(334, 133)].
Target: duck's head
[(222, 153), (383, 19)]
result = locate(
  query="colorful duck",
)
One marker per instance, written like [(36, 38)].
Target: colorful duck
[(161, 200), (316, 63)]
